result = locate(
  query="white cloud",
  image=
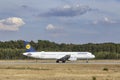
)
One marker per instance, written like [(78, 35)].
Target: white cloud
[(55, 31), (50, 27), (66, 6), (11, 24), (104, 20), (108, 20)]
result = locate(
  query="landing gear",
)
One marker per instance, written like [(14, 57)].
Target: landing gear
[(63, 61), (87, 61), (57, 61)]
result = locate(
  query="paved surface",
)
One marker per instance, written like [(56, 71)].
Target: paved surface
[(13, 63)]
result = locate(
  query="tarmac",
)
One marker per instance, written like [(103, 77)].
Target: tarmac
[(21, 63)]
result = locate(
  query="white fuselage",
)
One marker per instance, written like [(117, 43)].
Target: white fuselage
[(58, 55)]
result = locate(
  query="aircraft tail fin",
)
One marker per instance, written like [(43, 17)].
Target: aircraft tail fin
[(28, 47)]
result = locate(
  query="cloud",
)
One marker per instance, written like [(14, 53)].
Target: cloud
[(11, 24), (67, 11), (50, 27), (27, 8), (55, 31), (108, 20), (24, 6), (105, 20)]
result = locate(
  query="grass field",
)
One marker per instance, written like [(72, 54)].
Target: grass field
[(59, 71)]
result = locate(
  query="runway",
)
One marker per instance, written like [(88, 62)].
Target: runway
[(49, 70), (22, 63)]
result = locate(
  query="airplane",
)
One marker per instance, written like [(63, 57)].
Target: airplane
[(59, 56)]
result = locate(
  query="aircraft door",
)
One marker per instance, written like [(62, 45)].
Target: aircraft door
[(42, 54), (73, 57)]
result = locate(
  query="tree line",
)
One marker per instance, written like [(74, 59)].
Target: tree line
[(14, 49)]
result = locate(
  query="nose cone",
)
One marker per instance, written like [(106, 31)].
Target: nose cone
[(93, 56), (25, 54)]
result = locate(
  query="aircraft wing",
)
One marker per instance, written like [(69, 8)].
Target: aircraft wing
[(64, 58)]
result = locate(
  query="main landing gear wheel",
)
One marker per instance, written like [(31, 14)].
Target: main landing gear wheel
[(57, 61), (63, 61)]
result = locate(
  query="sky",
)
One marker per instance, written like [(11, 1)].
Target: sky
[(60, 21)]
